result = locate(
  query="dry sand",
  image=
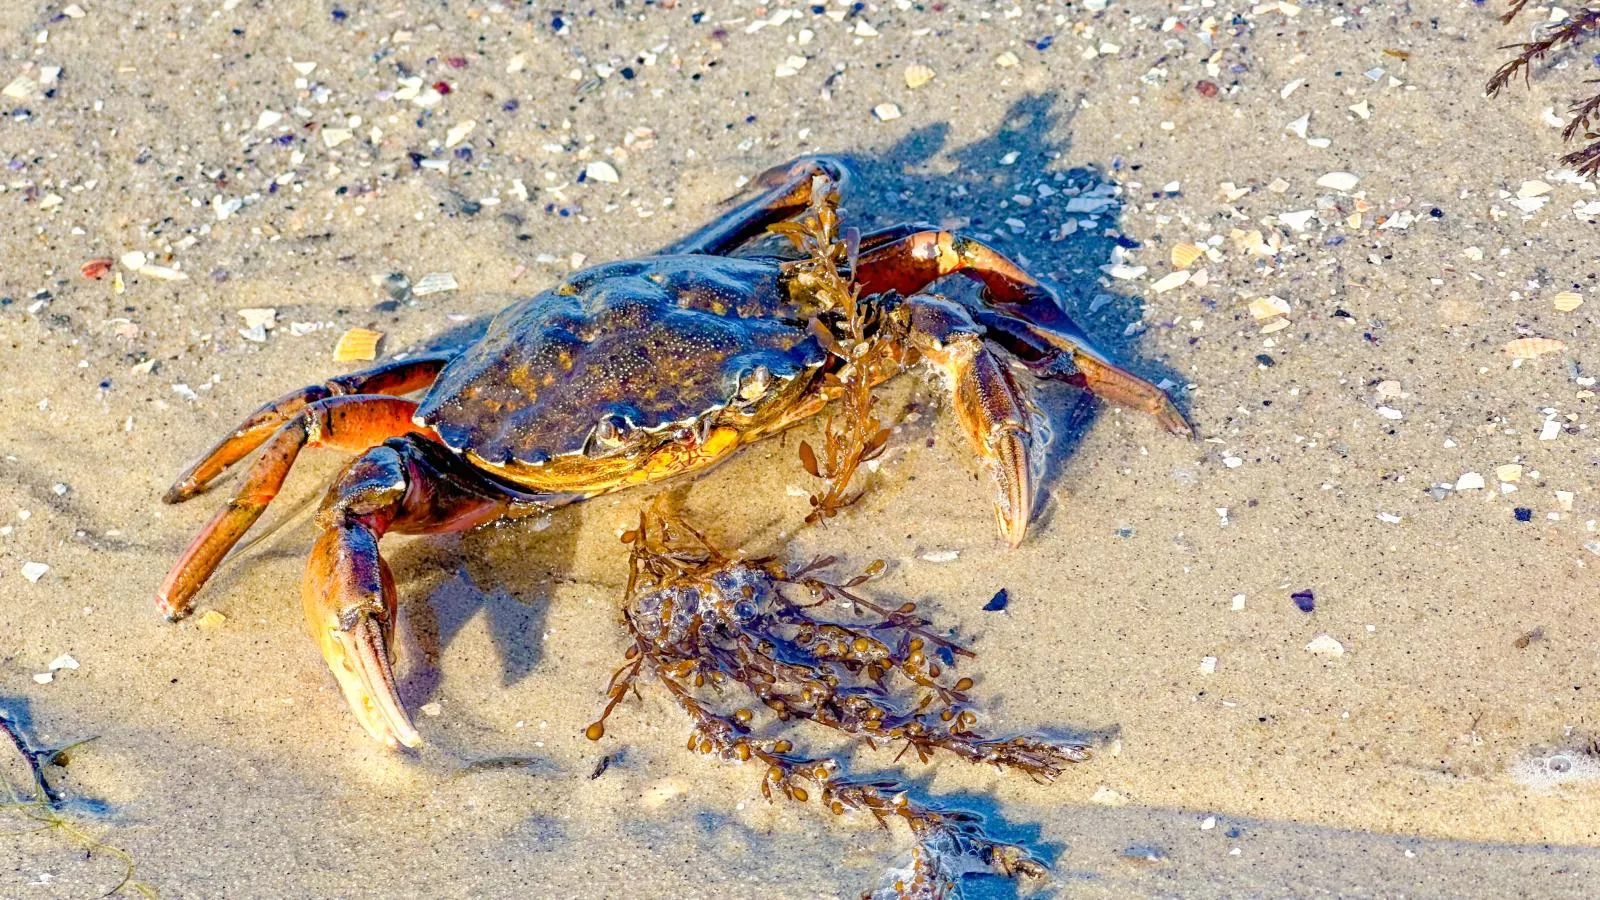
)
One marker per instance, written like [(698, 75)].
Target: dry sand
[(1416, 763)]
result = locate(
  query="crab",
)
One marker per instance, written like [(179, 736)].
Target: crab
[(624, 374)]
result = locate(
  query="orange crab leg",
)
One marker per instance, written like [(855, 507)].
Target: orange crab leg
[(997, 414), (915, 261), (405, 484), (785, 191), (347, 423), (394, 377)]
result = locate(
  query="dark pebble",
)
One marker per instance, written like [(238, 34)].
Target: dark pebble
[(1305, 600), (998, 601)]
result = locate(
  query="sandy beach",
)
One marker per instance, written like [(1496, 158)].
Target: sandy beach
[(1343, 644)]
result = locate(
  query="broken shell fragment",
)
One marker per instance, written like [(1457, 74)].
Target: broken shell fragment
[(1566, 301), (1185, 254), (1532, 348), (357, 345)]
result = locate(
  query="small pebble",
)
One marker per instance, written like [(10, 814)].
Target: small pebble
[(33, 571), (998, 601), (458, 132), (1305, 600), (886, 112)]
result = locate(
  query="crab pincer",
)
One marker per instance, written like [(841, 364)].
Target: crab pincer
[(349, 600), (996, 413)]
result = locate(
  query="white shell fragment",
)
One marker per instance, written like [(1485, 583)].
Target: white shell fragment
[(1325, 645), (1339, 181), (1171, 280), (458, 132), (1532, 348), (434, 283), (33, 571), (602, 171), (1105, 796)]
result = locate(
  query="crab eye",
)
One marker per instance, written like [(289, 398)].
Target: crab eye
[(608, 434), (754, 383)]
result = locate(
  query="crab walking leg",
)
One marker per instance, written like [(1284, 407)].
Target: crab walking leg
[(996, 413), (395, 377), (913, 262), (785, 191), (406, 484), (345, 423)]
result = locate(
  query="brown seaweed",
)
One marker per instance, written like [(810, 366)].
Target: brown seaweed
[(1580, 25), (853, 435), (701, 621)]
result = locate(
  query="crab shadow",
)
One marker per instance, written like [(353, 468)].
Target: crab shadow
[(1064, 235), (502, 574)]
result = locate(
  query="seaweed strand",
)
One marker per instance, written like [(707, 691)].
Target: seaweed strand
[(861, 339), (43, 804), (1578, 27), (699, 618)]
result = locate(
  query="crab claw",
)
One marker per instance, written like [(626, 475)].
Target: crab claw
[(349, 600), (997, 416), (1007, 454)]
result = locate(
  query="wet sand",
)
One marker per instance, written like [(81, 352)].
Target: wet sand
[(1441, 752)]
